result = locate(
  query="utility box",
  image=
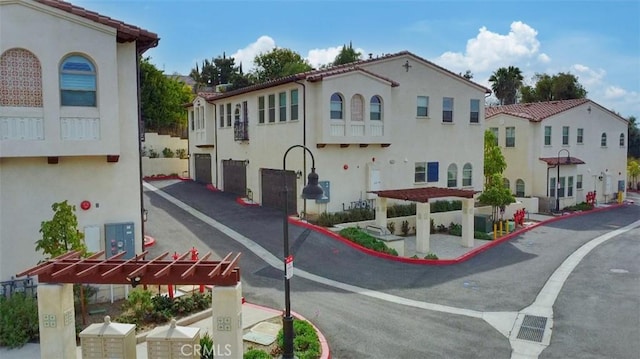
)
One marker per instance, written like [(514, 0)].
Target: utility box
[(482, 223), (108, 340), (119, 237), (172, 342)]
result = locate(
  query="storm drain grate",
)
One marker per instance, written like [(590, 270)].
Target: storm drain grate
[(532, 328)]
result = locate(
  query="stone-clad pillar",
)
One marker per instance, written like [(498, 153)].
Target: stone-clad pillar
[(423, 227), (57, 321), (381, 212), (227, 321), (467, 222)]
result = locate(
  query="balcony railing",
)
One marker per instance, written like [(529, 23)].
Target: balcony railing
[(241, 130)]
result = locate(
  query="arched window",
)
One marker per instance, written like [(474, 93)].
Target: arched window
[(603, 140), (452, 175), (622, 140), (467, 172), (21, 80), (506, 183), (375, 109), (337, 106), (519, 188), (357, 108), (77, 82)]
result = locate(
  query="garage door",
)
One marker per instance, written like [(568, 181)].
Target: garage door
[(273, 189), (234, 176), (203, 168)]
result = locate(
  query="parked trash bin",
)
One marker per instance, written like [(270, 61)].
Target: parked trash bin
[(108, 340), (172, 341)]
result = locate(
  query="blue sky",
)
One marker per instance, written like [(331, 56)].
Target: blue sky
[(598, 41)]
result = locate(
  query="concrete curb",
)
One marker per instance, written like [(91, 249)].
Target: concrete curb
[(440, 262)]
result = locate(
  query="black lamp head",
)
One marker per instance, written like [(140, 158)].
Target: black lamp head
[(312, 190)]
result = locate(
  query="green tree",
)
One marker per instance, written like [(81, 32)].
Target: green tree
[(347, 55), (506, 81), (218, 71), (61, 234), (633, 171), (494, 193), (562, 86), (467, 75), (162, 99), (278, 63), (633, 145)]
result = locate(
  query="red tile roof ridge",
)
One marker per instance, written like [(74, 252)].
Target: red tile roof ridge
[(535, 111)]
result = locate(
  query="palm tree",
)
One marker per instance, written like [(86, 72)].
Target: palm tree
[(506, 82)]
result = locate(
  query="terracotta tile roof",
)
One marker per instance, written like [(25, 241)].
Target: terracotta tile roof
[(125, 32), (536, 111), (317, 75), (424, 194), (552, 161)]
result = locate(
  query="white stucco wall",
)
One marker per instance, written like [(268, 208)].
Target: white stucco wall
[(28, 185)]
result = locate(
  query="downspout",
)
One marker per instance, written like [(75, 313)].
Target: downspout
[(140, 134), (215, 140), (304, 139)]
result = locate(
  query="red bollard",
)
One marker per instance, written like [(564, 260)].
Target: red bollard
[(170, 286)]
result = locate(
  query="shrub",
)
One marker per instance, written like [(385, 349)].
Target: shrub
[(482, 235), (405, 228), (306, 344), (153, 153), (167, 153), (206, 346), (18, 320), (358, 236), (455, 229), (431, 255), (181, 153), (256, 354)]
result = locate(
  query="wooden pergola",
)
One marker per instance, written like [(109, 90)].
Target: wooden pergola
[(71, 268)]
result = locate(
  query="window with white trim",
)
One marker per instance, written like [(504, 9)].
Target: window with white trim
[(475, 111), (294, 104), (272, 108), (77, 82), (496, 132), (261, 109), (337, 107), (420, 172), (282, 101), (622, 140), (467, 175), (229, 115), (519, 187), (452, 175), (552, 187), (565, 135), (510, 137), (603, 140), (580, 136), (221, 114), (422, 106), (375, 108), (547, 135), (447, 109), (579, 182), (570, 186)]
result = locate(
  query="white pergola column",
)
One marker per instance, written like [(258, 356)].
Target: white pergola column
[(227, 319), (467, 222), (381, 212), (423, 227), (57, 321)]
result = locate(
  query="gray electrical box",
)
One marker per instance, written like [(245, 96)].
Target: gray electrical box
[(119, 237)]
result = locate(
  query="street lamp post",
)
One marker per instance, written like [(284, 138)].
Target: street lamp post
[(311, 191), (568, 161)]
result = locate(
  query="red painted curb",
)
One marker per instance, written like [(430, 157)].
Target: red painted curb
[(211, 187), (325, 353), (149, 241), (160, 178), (241, 201), (439, 262)]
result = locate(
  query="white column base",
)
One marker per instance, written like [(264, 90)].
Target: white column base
[(57, 321), (227, 320)]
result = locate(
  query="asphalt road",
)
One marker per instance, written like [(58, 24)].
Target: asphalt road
[(596, 314)]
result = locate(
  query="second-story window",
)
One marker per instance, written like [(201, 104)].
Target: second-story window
[(447, 109), (221, 111), (422, 106), (261, 109), (510, 137), (229, 115), (547, 135), (603, 140), (272, 108), (376, 109), (294, 105), (565, 135), (282, 101), (579, 137), (77, 82), (337, 107), (474, 116)]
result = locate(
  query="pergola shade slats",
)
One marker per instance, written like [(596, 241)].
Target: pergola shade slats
[(424, 194)]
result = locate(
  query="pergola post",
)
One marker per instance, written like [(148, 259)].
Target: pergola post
[(381, 212), (423, 226), (57, 321), (227, 319), (467, 222)]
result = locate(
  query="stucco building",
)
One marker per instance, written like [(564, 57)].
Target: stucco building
[(582, 140), (392, 122), (68, 124)]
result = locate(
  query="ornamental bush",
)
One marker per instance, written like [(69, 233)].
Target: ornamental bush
[(18, 320), (306, 344), (356, 235)]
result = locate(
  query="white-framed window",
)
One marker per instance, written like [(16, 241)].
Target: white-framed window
[(622, 140), (357, 108), (579, 182), (580, 136), (510, 137), (452, 175), (337, 107), (229, 115), (221, 115), (565, 135), (561, 187), (282, 101), (519, 188), (77, 82), (570, 186), (375, 108), (603, 140), (496, 133), (467, 175), (420, 172), (236, 114), (272, 108), (294, 104), (552, 187), (547, 135), (447, 109), (474, 116), (261, 109), (422, 109)]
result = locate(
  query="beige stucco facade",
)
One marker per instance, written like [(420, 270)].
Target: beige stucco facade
[(355, 153), (51, 153), (604, 166)]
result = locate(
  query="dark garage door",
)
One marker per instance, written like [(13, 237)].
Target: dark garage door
[(273, 189), (203, 168), (234, 176)]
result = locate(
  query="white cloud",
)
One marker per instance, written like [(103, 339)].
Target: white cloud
[(247, 54), (318, 57), (544, 58), (490, 50), (614, 92), (588, 77)]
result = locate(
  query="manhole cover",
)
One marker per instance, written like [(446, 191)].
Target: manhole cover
[(532, 328)]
